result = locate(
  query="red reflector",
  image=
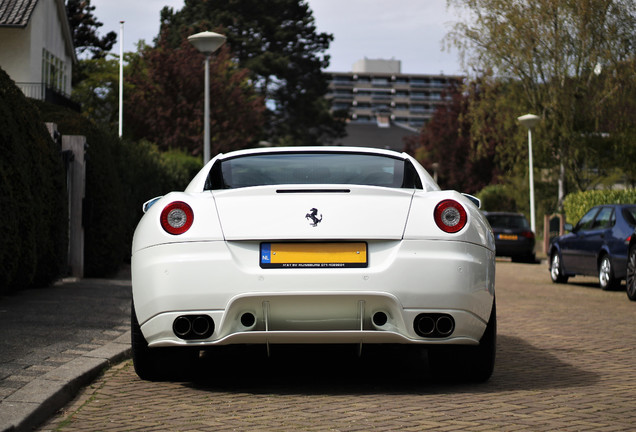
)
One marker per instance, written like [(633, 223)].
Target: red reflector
[(450, 216), (177, 218)]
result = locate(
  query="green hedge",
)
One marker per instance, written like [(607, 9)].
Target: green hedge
[(105, 215), (120, 177), (497, 198), (32, 195), (577, 204)]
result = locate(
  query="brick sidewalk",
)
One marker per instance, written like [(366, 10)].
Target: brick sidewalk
[(55, 340), (565, 362)]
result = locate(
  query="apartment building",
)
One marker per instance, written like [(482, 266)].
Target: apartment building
[(376, 91)]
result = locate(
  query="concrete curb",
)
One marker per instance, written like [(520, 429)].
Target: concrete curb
[(37, 401)]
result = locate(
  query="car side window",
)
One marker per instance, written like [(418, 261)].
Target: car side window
[(604, 218), (629, 213), (587, 221)]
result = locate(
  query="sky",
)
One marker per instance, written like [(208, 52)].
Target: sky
[(411, 31)]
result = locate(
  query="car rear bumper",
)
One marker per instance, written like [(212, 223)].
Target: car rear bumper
[(223, 281), (506, 248)]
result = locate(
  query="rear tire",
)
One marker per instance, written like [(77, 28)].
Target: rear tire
[(467, 363), (158, 364), (606, 278), (630, 281), (556, 269)]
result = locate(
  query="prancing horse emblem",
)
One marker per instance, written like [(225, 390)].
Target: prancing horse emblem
[(312, 216)]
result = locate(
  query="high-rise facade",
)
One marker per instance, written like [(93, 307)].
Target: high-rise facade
[(376, 91)]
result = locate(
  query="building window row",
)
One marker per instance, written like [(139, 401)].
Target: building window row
[(348, 94), (379, 106), (389, 80), (416, 122)]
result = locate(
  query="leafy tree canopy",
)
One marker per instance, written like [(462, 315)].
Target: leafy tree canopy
[(278, 43), (164, 101), (571, 60), (444, 147), (84, 27)]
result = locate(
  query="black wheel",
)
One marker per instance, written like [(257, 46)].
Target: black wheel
[(157, 364), (630, 281), (556, 269), (470, 363), (606, 278)]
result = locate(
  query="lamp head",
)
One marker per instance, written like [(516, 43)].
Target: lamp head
[(207, 42), (529, 120)]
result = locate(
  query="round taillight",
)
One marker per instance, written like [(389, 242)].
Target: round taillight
[(177, 218), (450, 216)]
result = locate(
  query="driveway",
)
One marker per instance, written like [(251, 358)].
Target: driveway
[(565, 362)]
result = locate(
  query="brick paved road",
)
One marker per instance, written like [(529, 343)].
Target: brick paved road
[(565, 362)]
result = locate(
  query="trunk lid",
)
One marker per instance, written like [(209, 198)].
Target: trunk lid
[(301, 213)]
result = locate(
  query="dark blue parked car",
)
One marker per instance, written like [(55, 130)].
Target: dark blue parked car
[(630, 281), (596, 246)]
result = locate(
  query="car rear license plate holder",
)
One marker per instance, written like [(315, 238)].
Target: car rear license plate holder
[(314, 255)]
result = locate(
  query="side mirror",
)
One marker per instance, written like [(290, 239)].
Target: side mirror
[(474, 200), (146, 206), (568, 227)]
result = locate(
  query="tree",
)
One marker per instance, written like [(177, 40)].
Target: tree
[(566, 55), (278, 43), (84, 27), (164, 103), (444, 145), (97, 92)]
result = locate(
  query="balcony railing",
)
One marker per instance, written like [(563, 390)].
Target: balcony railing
[(32, 90), (40, 91)]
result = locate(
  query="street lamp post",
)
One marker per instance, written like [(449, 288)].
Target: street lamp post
[(207, 43), (529, 121)]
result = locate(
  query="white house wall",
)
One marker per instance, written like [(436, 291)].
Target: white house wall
[(45, 26), (14, 53), (21, 48)]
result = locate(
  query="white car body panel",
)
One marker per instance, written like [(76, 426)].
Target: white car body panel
[(266, 213), (213, 269)]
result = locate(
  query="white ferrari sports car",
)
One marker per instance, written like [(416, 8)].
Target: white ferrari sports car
[(314, 245)]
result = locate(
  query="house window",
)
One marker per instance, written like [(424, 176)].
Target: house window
[(53, 71)]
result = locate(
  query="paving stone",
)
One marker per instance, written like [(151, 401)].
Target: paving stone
[(564, 362)]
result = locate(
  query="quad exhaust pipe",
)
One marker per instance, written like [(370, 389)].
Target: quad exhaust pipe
[(190, 327), (428, 325), (434, 325)]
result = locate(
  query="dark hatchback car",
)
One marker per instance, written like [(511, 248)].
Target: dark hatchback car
[(596, 246), (513, 236), (630, 279)]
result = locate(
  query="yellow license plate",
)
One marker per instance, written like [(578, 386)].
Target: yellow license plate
[(508, 237), (313, 255)]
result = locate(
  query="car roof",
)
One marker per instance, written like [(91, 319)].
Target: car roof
[(614, 205)]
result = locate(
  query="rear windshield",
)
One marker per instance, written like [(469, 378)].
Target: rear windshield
[(508, 221), (312, 168)]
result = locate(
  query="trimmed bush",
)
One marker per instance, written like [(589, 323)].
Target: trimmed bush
[(32, 195), (105, 215), (577, 204), (120, 177), (497, 198)]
